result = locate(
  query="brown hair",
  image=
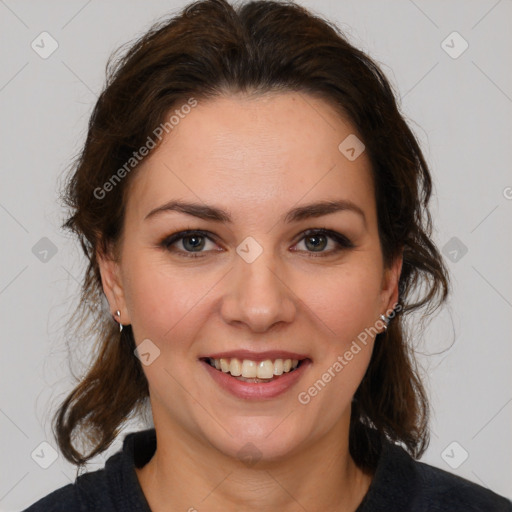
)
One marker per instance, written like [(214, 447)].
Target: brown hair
[(210, 49)]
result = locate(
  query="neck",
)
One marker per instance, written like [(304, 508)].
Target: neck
[(184, 474)]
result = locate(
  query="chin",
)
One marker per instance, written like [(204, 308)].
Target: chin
[(256, 440)]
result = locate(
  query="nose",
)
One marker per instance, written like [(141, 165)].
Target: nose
[(258, 295)]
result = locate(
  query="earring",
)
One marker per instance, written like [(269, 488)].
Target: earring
[(118, 314), (385, 319)]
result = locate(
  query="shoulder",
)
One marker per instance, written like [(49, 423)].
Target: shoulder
[(115, 487), (451, 492), (89, 492), (401, 483)]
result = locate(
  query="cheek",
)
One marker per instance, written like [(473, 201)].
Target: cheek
[(346, 308), (345, 300), (160, 297)]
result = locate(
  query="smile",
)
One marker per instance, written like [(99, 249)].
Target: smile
[(255, 376), (247, 370)]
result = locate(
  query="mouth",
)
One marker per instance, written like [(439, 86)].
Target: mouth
[(255, 371)]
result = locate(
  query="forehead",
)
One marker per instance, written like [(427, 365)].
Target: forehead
[(254, 155)]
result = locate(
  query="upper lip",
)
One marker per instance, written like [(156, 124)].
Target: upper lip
[(256, 356)]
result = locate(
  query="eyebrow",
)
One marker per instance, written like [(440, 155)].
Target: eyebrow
[(215, 214)]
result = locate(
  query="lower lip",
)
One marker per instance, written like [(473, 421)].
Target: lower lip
[(253, 390)]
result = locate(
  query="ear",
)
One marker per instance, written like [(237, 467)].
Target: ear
[(112, 283), (390, 284)]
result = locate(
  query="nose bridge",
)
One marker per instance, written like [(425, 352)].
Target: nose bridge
[(258, 295)]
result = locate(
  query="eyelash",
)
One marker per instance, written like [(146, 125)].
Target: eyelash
[(341, 240)]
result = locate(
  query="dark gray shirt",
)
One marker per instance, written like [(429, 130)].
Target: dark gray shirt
[(400, 484)]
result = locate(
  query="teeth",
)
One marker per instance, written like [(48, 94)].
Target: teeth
[(249, 369), (235, 367), (252, 369), (278, 367), (265, 369)]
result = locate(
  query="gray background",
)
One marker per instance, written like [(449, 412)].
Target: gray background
[(460, 108)]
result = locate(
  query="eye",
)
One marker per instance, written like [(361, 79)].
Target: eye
[(315, 240), (191, 242)]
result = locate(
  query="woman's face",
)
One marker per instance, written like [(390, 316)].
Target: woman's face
[(254, 283)]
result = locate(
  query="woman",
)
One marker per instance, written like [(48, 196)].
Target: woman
[(254, 209)]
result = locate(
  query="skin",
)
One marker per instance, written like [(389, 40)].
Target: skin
[(256, 157)]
